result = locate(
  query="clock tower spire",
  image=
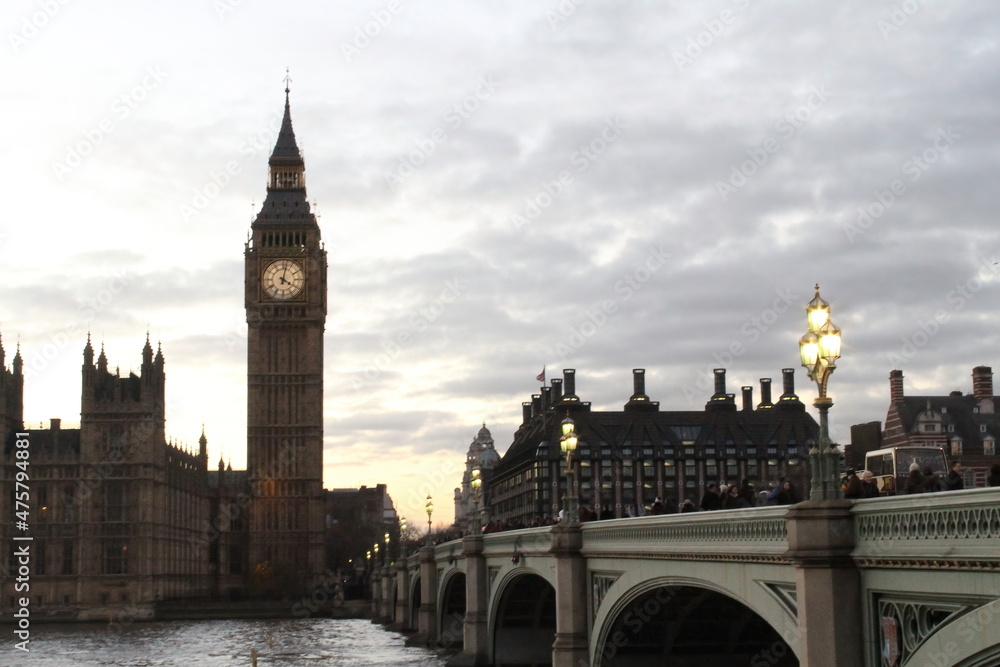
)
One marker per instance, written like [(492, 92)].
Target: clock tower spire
[(285, 298)]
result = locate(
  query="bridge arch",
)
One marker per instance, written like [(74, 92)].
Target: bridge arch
[(970, 640), (523, 619), (451, 610), (702, 621)]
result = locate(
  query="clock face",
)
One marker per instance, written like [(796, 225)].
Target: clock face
[(283, 279)]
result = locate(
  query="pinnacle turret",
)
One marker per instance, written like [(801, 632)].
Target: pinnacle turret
[(102, 360), (18, 362), (88, 353), (147, 353)]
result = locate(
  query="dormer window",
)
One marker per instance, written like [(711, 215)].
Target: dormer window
[(982, 428), (930, 428), (956, 446), (989, 446)]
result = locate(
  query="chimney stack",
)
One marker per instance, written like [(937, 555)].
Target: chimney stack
[(720, 400), (982, 388), (639, 384), (982, 382), (525, 412), (720, 382), (788, 400), (639, 401), (536, 405), (788, 382), (546, 398), (765, 394), (569, 384), (747, 397), (895, 386), (556, 390)]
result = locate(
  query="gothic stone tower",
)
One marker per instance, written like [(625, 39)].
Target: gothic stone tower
[(285, 290), (11, 395)]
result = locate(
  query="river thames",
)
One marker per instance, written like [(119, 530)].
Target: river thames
[(318, 641)]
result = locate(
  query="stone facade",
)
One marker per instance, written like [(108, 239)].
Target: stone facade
[(482, 455), (116, 511)]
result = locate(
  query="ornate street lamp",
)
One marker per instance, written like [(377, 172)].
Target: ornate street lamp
[(567, 443), (475, 528), (429, 506), (820, 349), (402, 537)]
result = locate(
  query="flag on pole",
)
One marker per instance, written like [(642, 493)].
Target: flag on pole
[(541, 376)]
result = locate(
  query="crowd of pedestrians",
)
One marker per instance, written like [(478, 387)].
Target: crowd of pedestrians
[(782, 492)]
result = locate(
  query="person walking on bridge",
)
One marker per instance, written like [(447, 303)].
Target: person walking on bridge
[(954, 481), (711, 500)]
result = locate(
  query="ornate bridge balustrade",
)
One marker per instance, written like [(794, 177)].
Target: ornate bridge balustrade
[(883, 582), (930, 574)]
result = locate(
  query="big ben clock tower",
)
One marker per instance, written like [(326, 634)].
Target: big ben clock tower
[(285, 291)]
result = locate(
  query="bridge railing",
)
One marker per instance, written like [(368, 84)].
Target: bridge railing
[(526, 541), (954, 528), (758, 533)]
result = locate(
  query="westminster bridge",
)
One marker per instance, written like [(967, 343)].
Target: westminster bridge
[(903, 581)]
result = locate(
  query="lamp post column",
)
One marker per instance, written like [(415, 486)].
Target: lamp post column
[(429, 506), (567, 443), (475, 526), (826, 487), (820, 349)]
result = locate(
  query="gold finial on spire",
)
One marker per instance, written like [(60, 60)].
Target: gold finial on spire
[(288, 81)]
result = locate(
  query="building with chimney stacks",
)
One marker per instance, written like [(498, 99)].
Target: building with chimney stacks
[(626, 459), (966, 425)]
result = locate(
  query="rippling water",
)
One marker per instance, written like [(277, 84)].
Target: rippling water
[(217, 643)]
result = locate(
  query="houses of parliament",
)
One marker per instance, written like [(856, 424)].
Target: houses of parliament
[(115, 514)]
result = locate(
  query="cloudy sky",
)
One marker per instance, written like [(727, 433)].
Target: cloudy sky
[(503, 186)]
